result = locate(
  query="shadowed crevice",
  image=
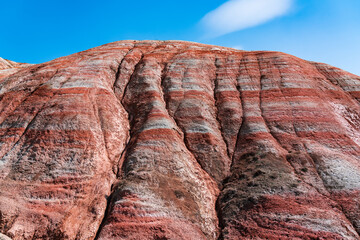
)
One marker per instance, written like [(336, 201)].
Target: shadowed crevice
[(108, 210), (238, 87), (216, 102), (118, 70)]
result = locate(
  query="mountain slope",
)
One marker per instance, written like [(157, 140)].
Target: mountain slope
[(178, 140)]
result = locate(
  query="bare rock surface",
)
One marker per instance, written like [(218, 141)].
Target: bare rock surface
[(8, 67), (179, 140), (4, 237)]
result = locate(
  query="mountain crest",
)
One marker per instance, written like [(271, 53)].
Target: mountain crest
[(179, 140)]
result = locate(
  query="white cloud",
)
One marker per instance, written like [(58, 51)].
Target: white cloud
[(235, 15)]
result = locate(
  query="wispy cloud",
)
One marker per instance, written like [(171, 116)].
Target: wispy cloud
[(235, 15)]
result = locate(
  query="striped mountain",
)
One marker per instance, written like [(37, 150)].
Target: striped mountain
[(179, 140)]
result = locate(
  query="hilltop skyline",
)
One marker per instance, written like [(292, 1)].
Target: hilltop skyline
[(325, 31)]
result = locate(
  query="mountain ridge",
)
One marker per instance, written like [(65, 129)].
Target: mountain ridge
[(179, 140)]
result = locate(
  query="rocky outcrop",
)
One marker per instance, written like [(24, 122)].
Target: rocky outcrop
[(178, 140), (8, 67)]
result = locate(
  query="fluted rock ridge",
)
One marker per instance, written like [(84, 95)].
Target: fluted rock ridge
[(179, 140)]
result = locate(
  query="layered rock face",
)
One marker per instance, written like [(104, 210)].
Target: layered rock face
[(8, 67), (178, 140)]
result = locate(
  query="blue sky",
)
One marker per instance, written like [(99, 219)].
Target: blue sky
[(319, 30)]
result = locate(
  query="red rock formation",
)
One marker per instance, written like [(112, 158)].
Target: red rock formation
[(8, 67), (177, 140)]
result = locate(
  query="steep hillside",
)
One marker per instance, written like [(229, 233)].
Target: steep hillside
[(178, 140)]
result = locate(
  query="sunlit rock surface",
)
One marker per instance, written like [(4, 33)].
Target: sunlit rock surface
[(8, 67), (178, 140)]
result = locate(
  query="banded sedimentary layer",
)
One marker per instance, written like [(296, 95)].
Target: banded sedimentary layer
[(178, 140)]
